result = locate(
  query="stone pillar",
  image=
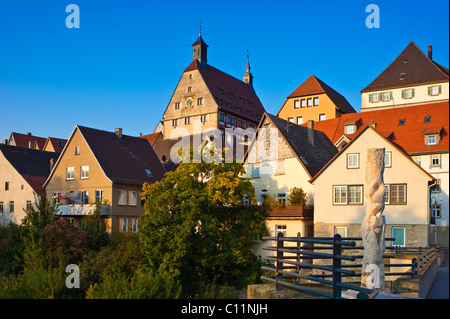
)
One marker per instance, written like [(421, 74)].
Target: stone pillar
[(373, 226)]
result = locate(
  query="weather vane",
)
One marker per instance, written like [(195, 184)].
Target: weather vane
[(201, 20)]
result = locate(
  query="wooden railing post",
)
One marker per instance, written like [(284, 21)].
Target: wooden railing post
[(279, 266), (337, 249)]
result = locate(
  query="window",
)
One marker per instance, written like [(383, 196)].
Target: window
[(387, 96), (374, 97), (84, 197), (231, 120), (281, 198), (299, 120), (6, 186), (402, 76), (174, 122), (77, 150), (350, 129), (188, 120), (431, 140), (303, 103), (388, 159), (221, 117), (132, 200), (339, 230), (355, 195), (122, 197), (99, 196), (399, 236), (189, 89), (353, 160), (309, 102), (85, 172), (401, 122), (386, 194), (56, 197), (148, 172), (427, 119), (296, 104), (435, 160), (204, 118), (322, 117), (28, 205), (291, 119), (128, 225), (316, 101), (255, 170), (408, 93), (397, 194), (435, 213), (11, 206), (1, 207), (70, 173), (417, 160), (177, 105), (200, 101), (281, 229), (435, 90), (339, 195)]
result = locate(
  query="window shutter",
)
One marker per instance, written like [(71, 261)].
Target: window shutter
[(429, 90), (403, 94), (413, 92), (440, 89), (380, 97), (390, 96), (370, 98)]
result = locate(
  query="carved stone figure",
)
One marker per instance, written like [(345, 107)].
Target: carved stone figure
[(373, 226)]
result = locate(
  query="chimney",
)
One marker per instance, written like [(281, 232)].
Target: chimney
[(373, 124), (5, 141), (118, 132), (311, 132), (430, 52), (29, 133)]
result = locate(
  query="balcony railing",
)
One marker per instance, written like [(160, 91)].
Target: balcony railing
[(81, 210)]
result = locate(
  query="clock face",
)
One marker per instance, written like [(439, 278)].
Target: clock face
[(189, 102)]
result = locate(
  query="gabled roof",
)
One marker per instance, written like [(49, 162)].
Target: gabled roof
[(311, 157), (417, 69), (33, 165), (314, 86), (222, 85), (409, 136), (23, 140), (123, 160), (360, 133), (57, 143)]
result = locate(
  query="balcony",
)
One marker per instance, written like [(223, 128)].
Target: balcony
[(290, 212), (81, 210)]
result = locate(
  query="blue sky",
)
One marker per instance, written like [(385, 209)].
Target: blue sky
[(120, 68)]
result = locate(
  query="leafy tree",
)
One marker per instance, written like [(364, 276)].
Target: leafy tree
[(197, 229), (297, 196)]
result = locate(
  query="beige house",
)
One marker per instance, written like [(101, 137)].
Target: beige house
[(282, 156), (23, 171), (106, 167), (412, 78), (340, 185)]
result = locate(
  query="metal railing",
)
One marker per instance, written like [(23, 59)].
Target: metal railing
[(290, 261)]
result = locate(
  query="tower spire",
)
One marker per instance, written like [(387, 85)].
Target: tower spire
[(248, 77), (200, 48)]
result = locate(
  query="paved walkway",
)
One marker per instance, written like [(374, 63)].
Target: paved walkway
[(440, 287)]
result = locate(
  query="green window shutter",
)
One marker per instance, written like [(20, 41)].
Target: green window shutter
[(429, 90), (370, 98), (380, 97), (403, 94), (440, 89), (413, 92), (390, 96)]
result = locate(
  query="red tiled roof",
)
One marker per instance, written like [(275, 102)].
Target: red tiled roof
[(23, 140), (313, 86), (151, 137), (217, 80), (417, 69), (409, 136)]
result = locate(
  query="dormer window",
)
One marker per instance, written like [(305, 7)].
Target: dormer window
[(402, 76), (149, 173), (432, 136), (432, 140), (349, 129), (232, 95), (221, 90), (427, 119), (401, 122)]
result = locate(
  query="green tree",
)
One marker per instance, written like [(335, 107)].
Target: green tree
[(197, 230), (297, 196)]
